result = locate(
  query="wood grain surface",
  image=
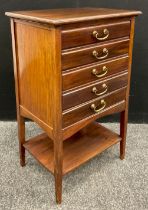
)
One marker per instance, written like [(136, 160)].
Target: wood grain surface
[(71, 15), (83, 36), (80, 76), (78, 149), (78, 113), (82, 95), (84, 55)]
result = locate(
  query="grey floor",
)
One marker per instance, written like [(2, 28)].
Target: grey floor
[(104, 183)]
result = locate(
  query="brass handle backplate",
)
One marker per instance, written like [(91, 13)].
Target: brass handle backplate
[(98, 108), (101, 74), (96, 54), (95, 91), (105, 33)]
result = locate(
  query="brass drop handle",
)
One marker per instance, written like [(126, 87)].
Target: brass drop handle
[(97, 108), (101, 74), (105, 33), (95, 91), (96, 54)]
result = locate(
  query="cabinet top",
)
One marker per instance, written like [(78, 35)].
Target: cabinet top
[(71, 15)]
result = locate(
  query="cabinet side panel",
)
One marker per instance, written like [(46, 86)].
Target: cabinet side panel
[(35, 66)]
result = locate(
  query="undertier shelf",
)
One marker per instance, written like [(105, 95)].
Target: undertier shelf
[(81, 147)]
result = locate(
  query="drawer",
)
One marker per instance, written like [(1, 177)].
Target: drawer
[(95, 107), (94, 34), (93, 53), (93, 91), (93, 73)]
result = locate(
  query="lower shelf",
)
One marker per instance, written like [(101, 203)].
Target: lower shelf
[(81, 147)]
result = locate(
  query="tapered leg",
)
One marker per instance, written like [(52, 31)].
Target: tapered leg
[(123, 131), (124, 114), (58, 187), (21, 136), (58, 163)]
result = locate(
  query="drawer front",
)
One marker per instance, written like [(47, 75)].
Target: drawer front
[(93, 108), (96, 90), (93, 73), (94, 34), (94, 53)]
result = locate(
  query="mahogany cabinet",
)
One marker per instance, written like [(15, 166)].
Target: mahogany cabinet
[(71, 67)]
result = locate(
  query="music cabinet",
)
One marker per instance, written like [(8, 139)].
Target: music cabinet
[(71, 66)]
